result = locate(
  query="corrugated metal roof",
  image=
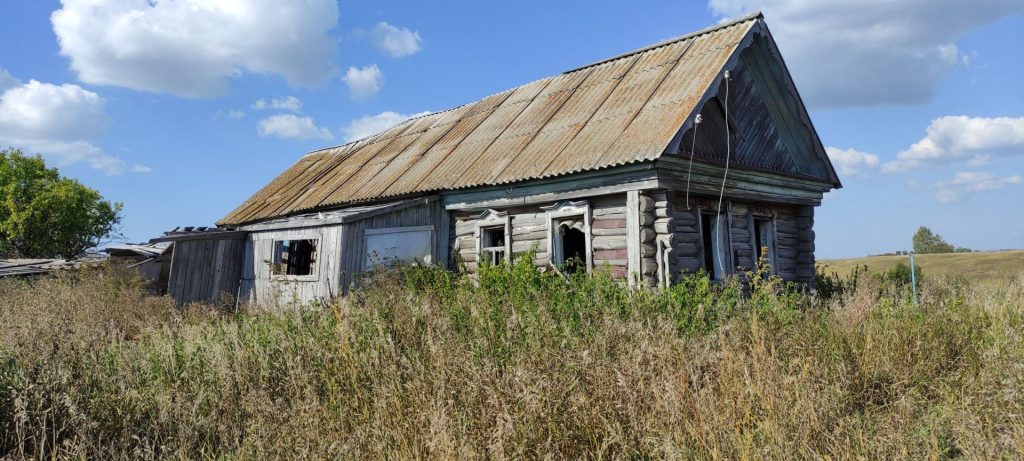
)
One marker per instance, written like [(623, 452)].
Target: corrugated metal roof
[(617, 111)]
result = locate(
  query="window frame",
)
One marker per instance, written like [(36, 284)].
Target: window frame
[(367, 233), (717, 273), (491, 220), (772, 255), (568, 209), (276, 253)]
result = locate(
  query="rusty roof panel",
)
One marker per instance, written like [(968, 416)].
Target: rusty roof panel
[(510, 144), (567, 122), (455, 164), (617, 111), (624, 109), (418, 171)]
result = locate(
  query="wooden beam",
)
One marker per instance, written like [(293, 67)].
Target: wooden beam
[(633, 269), (614, 180)]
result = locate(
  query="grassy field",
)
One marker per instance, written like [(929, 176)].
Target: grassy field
[(519, 365), (982, 267)]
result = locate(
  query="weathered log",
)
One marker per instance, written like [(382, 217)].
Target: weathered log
[(687, 249), (648, 266), (617, 231), (609, 224), (646, 203), (602, 255), (612, 210), (522, 246), (647, 235), (689, 263), (606, 243), (678, 238)]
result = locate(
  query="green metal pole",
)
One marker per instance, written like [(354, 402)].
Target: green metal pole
[(913, 277)]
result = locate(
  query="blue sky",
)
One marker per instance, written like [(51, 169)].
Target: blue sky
[(182, 109)]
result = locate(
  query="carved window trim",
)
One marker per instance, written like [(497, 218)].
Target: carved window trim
[(568, 209), (491, 219)]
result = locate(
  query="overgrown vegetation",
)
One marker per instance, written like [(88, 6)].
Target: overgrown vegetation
[(429, 364)]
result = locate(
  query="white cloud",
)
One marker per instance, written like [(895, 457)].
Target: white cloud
[(289, 103), (372, 124), (852, 162), (964, 183), (61, 122), (396, 41), (363, 83), (846, 53), (192, 47), (292, 127), (7, 80), (236, 114), (954, 138)]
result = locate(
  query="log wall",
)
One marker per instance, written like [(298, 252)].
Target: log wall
[(679, 225), (530, 229)]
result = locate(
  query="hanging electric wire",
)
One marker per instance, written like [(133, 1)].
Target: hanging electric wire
[(721, 194), (693, 144)]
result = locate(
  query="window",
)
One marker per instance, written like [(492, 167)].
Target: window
[(399, 244), (570, 245), (493, 235), (764, 239), (294, 257), (492, 244), (716, 254)]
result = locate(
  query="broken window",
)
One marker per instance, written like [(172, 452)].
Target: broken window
[(570, 245), (294, 257), (715, 245), (764, 239), (492, 244)]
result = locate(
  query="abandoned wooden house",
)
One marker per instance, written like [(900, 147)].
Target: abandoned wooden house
[(695, 153)]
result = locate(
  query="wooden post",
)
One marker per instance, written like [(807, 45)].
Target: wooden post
[(633, 269)]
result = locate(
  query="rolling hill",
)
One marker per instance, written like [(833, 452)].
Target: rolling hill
[(979, 267)]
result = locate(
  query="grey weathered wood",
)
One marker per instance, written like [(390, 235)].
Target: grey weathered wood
[(632, 223)]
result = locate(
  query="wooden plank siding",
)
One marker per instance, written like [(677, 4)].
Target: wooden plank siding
[(341, 255), (205, 270)]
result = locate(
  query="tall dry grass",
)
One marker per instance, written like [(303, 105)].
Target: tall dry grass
[(430, 365)]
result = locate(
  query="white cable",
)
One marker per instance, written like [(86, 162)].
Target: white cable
[(718, 227), (693, 144)]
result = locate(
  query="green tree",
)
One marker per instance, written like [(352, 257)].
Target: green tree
[(45, 215), (926, 241)]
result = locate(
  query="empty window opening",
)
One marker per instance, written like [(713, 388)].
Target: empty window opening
[(573, 243), (294, 257), (492, 244), (764, 238), (716, 247), (708, 239)]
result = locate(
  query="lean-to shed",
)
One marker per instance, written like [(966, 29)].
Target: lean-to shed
[(605, 165)]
